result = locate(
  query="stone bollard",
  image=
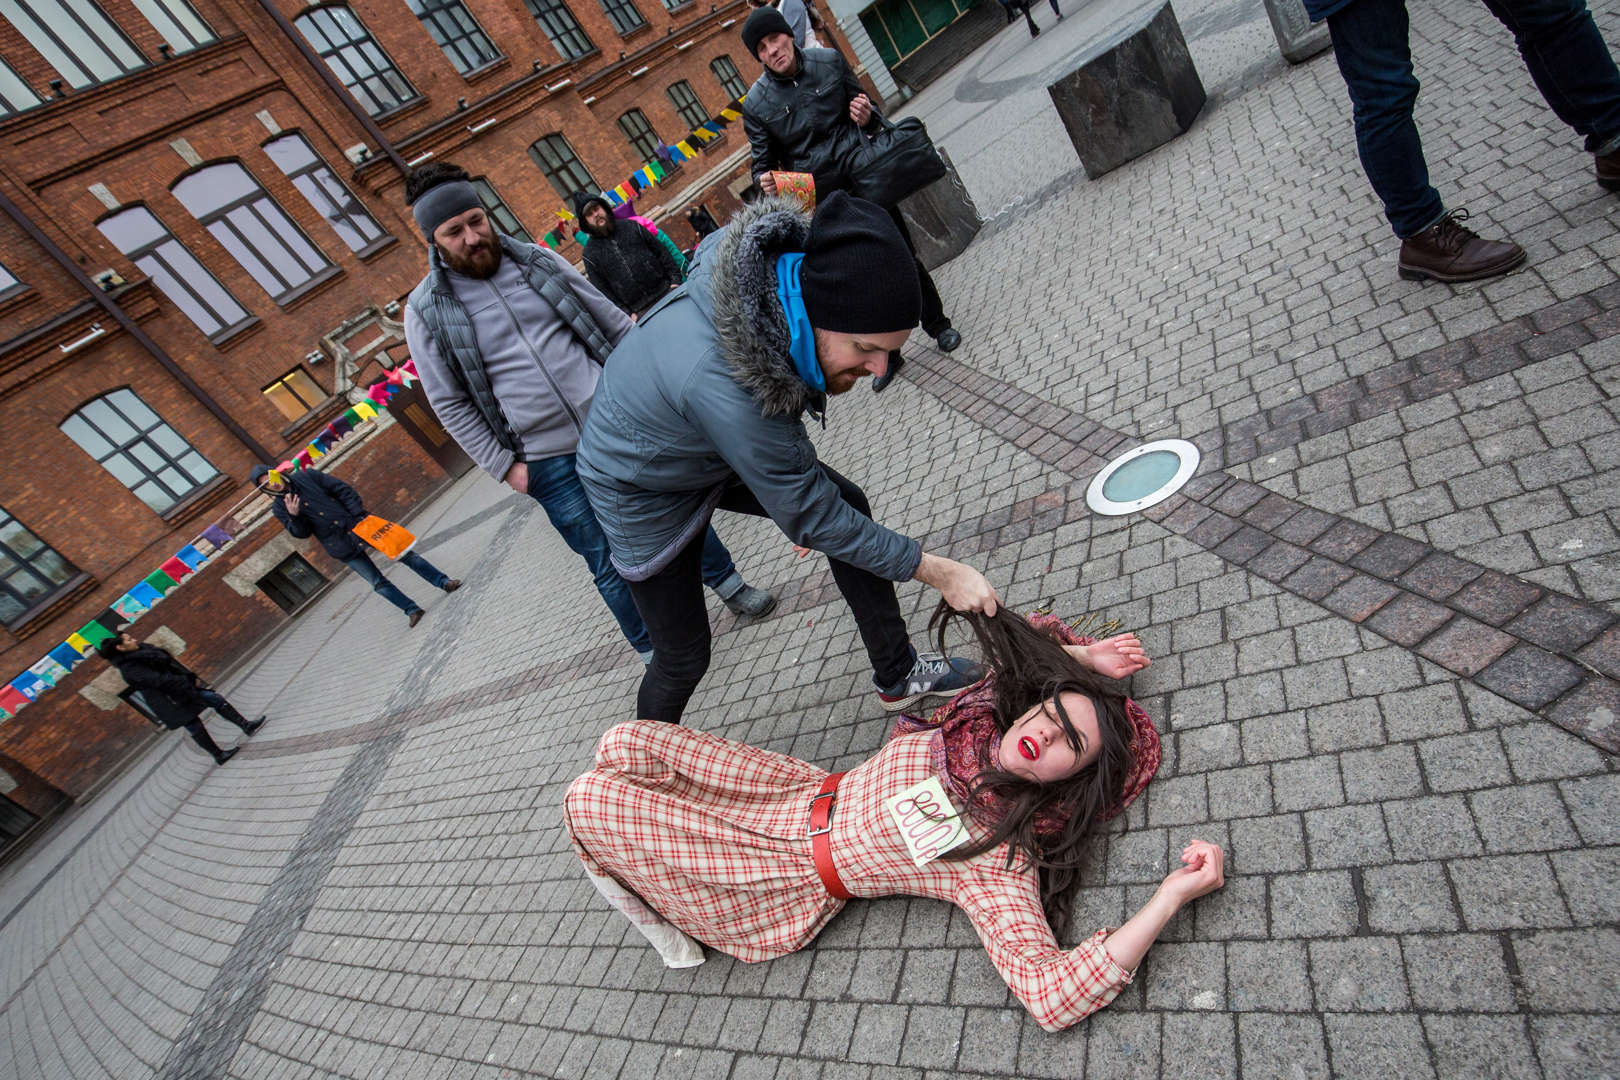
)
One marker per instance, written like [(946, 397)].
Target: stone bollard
[(1133, 95), (1297, 37), (941, 218)]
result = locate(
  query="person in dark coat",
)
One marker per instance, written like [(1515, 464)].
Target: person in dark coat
[(702, 221), (807, 113), (1571, 66), (314, 503), (626, 263), (174, 693)]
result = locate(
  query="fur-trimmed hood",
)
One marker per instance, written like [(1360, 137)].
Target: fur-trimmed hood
[(750, 329)]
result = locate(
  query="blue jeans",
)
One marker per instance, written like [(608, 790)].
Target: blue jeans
[(554, 484), (1560, 44), (362, 565)]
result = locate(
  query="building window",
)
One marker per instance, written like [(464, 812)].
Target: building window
[(464, 42), (15, 95), (14, 820), (499, 212), (623, 15), (30, 569), (180, 26), (248, 223), (291, 582), (640, 133), (562, 166), (75, 37), (730, 80), (9, 283), (348, 49), (315, 180), (686, 102), (130, 441), (561, 27), (295, 394), (186, 282)]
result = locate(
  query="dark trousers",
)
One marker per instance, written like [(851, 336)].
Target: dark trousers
[(1560, 44), (361, 564), (199, 733), (934, 322), (671, 604)]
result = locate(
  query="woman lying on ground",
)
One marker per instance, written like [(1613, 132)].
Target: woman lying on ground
[(691, 834)]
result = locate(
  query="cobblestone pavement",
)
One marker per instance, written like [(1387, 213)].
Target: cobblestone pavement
[(1385, 614)]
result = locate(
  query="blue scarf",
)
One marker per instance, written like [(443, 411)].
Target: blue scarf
[(802, 340)]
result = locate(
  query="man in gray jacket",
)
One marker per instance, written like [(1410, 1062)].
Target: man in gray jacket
[(509, 341), (702, 408)]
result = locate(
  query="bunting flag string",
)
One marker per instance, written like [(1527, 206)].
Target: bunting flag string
[(151, 590)]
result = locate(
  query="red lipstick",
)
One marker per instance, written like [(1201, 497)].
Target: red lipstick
[(1029, 748)]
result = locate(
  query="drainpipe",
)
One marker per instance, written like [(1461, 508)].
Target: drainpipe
[(118, 315), (334, 84)]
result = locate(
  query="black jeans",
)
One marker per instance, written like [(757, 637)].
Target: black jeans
[(934, 322), (671, 604), (1559, 42)]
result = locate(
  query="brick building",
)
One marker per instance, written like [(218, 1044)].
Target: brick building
[(202, 251)]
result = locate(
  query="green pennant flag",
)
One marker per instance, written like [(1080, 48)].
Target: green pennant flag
[(657, 168), (95, 633), (160, 581)]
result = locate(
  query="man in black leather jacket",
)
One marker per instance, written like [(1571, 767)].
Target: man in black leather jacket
[(806, 113)]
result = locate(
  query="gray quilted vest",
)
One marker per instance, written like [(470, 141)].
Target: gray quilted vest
[(435, 302)]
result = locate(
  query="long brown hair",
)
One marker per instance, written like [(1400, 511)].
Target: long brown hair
[(1030, 668)]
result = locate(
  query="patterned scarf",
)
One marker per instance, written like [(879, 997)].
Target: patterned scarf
[(967, 742)]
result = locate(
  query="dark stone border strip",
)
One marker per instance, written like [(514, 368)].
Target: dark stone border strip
[(1549, 331), (1548, 653)]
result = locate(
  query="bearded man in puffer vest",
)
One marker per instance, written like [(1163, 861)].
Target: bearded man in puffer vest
[(509, 341)]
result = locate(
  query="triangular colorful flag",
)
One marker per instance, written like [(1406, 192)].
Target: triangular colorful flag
[(132, 608), (687, 148), (110, 620), (676, 156), (66, 655), (176, 568), (216, 535), (658, 170), (160, 581), (635, 182), (145, 594), (13, 700), (93, 633), (77, 642), (29, 685), (365, 410), (47, 670), (623, 193), (564, 214), (191, 556)]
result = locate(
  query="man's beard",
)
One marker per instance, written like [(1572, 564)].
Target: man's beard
[(481, 264), (604, 229)]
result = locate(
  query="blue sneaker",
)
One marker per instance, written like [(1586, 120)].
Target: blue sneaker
[(933, 678)]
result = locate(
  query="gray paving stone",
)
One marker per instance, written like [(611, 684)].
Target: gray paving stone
[(1264, 845), (1320, 904), (1570, 970), (1186, 976), (1456, 1042), (1123, 1044), (1306, 783), (1369, 1046), (1464, 762), (1522, 819), (1409, 896), (1237, 911), (1436, 827), (1590, 884), (1507, 892), (1385, 772), (1275, 737), (1359, 975), (1568, 1046), (1345, 725), (1282, 1047), (1346, 836)]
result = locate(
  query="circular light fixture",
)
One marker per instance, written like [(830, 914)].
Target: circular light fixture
[(1142, 476)]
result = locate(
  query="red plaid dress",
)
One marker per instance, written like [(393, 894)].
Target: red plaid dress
[(713, 835)]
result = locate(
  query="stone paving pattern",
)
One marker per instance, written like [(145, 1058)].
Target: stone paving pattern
[(1384, 615)]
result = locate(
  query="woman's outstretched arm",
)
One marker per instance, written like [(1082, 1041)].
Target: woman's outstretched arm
[(1202, 871), (1117, 657)]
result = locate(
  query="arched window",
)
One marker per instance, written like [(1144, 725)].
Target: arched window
[(186, 282), (731, 80), (561, 27), (316, 181), (30, 569), (640, 133), (348, 49), (562, 166), (75, 37), (130, 441), (686, 103), (247, 222), (456, 32)]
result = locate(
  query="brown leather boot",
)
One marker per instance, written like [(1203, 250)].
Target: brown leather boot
[(1608, 170), (1446, 251)]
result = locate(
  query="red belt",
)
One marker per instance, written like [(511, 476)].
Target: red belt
[(821, 808)]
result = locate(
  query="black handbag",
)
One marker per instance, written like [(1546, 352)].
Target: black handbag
[(898, 161)]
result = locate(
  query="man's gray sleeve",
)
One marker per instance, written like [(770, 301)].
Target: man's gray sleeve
[(608, 315), (773, 455), (451, 402), (797, 18)]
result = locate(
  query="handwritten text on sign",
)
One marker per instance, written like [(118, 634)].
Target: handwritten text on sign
[(927, 821)]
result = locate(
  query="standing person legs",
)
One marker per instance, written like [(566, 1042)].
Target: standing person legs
[(361, 564), (199, 735), (554, 484), (678, 626), (429, 573), (1571, 66), (934, 322), (217, 702), (720, 573)]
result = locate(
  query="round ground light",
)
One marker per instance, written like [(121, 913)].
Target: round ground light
[(1140, 477)]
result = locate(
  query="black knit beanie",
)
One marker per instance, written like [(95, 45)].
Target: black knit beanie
[(762, 24), (858, 275)]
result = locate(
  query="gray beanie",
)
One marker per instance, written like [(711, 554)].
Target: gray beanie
[(441, 202)]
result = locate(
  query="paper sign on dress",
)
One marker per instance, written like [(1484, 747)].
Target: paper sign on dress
[(928, 822)]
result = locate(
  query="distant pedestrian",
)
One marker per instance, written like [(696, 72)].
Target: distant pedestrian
[(313, 503), (510, 341), (1571, 67), (175, 694), (626, 262), (702, 221)]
